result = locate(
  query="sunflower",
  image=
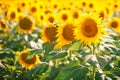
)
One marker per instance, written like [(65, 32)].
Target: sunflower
[(64, 15), (76, 14), (101, 12), (49, 33), (40, 18), (116, 6), (89, 30), (12, 14), (91, 5), (27, 63), (47, 11), (2, 4), (54, 5), (67, 5), (109, 10), (115, 24), (42, 5), (26, 25), (33, 9), (65, 34), (21, 15), (3, 26), (83, 4), (50, 18), (22, 6)]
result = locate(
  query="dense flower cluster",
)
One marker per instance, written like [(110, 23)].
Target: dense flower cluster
[(58, 22)]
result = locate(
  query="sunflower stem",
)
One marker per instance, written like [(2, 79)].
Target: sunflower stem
[(93, 52), (93, 75), (93, 49)]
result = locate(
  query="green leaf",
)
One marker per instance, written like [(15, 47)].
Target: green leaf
[(117, 52), (116, 43), (6, 53), (75, 46), (115, 71), (56, 55), (48, 47), (62, 75), (77, 73), (54, 72), (34, 52), (72, 64), (45, 76), (59, 55), (37, 71), (13, 44), (67, 70)]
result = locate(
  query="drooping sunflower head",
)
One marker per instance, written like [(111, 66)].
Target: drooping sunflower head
[(49, 33), (114, 24), (3, 26), (65, 34), (26, 25), (27, 63), (89, 29)]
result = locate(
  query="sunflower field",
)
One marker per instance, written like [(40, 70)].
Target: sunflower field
[(59, 39)]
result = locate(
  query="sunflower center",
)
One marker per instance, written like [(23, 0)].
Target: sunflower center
[(51, 19), (89, 28), (23, 4), (83, 4), (33, 9), (18, 9), (5, 13), (28, 61), (47, 11), (91, 5), (107, 10), (64, 17), (101, 15), (115, 6), (3, 25), (41, 7), (41, 17), (55, 6), (12, 15), (25, 23), (75, 15), (114, 24), (68, 32), (50, 33)]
